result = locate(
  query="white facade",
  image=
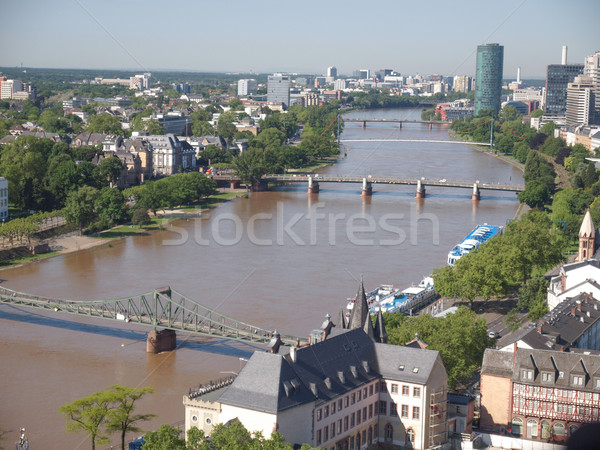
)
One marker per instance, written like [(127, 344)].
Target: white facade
[(3, 199), (247, 87), (332, 72), (580, 101), (278, 89), (572, 281), (10, 87)]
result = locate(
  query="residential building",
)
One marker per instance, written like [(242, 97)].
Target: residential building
[(488, 88), (345, 390), (247, 87), (278, 89), (340, 84), (539, 394), (558, 77), (580, 100), (462, 83), (332, 72), (167, 155), (591, 69), (140, 82), (3, 199), (10, 87)]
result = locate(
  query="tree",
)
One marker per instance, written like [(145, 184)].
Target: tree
[(532, 297), (165, 438), (512, 321), (153, 127), (111, 206), (79, 208), (110, 169), (140, 217), (255, 162), (88, 415), (121, 415), (104, 123), (461, 339)]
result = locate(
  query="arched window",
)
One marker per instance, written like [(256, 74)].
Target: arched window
[(389, 432), (532, 428), (545, 429), (351, 442), (559, 429), (358, 440), (572, 429), (370, 436), (517, 426), (410, 436)]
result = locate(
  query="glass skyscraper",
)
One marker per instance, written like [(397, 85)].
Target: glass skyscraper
[(558, 77), (488, 87)]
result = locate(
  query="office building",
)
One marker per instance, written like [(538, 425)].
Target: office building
[(488, 88), (140, 82), (10, 87), (332, 72), (462, 83), (558, 77), (278, 89), (339, 85), (247, 87), (592, 69), (580, 101)]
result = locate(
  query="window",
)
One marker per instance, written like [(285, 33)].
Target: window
[(346, 423), (332, 430), (405, 411), (559, 429), (339, 427), (546, 377), (325, 434), (394, 388), (333, 408), (352, 421), (370, 436), (370, 410), (527, 374), (359, 395), (376, 388), (577, 380), (416, 392), (340, 404), (596, 384), (346, 400), (364, 413), (318, 437), (517, 426), (383, 387), (352, 398), (365, 392), (194, 418), (382, 407), (393, 409), (410, 436), (364, 436), (326, 414), (545, 429), (318, 414), (532, 428), (370, 390), (416, 413), (358, 417), (405, 390)]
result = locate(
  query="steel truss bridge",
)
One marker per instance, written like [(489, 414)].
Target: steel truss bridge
[(160, 308)]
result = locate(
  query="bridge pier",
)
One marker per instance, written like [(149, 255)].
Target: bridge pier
[(420, 190), (234, 184), (261, 186), (430, 126), (161, 341), (400, 125), (364, 125), (476, 193), (313, 186), (367, 188)]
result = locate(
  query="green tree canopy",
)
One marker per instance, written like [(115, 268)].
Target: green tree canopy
[(104, 123), (80, 207)]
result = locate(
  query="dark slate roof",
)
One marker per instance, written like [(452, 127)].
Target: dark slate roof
[(561, 364), (413, 365), (317, 373)]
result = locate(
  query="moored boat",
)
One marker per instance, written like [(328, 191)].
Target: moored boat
[(480, 235)]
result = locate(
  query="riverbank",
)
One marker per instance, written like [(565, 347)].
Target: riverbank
[(73, 242)]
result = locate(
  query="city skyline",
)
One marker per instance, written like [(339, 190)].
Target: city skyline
[(271, 36)]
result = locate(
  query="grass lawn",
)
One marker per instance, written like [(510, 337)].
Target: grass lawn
[(28, 259)]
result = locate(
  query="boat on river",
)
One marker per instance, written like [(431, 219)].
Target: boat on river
[(479, 236), (391, 300)]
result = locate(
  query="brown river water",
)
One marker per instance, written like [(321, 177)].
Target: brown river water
[(278, 260)]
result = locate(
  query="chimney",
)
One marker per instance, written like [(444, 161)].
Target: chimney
[(275, 342), (514, 353), (540, 326), (573, 309), (564, 55), (518, 74), (578, 305)]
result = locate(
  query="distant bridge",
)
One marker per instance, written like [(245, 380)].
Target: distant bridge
[(165, 308), (398, 121), (436, 141)]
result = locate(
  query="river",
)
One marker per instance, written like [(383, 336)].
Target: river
[(279, 260)]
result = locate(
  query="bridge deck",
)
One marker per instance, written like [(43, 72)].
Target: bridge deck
[(164, 308)]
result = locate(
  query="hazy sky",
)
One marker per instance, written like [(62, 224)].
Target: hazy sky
[(413, 37)]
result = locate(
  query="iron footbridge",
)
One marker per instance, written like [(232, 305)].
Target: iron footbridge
[(164, 308)]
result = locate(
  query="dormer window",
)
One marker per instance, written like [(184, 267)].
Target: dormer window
[(527, 374), (596, 383), (546, 377), (577, 380)]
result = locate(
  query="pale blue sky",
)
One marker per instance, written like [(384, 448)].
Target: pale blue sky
[(410, 37)]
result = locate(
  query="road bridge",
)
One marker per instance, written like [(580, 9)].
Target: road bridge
[(164, 308), (436, 141)]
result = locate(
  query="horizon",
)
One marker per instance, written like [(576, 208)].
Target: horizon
[(302, 39)]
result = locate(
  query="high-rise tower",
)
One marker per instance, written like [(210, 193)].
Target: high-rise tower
[(488, 87), (592, 69), (558, 77)]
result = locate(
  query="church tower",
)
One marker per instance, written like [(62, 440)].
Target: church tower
[(587, 238)]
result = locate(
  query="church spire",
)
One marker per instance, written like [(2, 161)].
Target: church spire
[(380, 332), (360, 317), (587, 238)]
